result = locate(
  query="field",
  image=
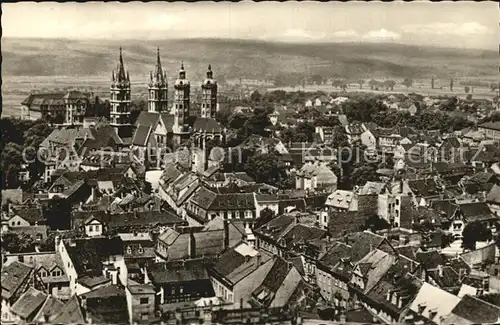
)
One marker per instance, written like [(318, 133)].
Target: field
[(51, 64)]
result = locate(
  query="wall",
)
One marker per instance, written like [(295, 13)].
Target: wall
[(140, 313), (69, 268), (481, 255), (93, 229), (17, 221)]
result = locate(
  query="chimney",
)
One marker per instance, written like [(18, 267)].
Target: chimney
[(461, 274), (192, 244), (346, 239), (259, 261), (226, 234), (440, 271)]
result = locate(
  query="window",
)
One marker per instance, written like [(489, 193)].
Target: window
[(43, 274), (91, 228), (129, 250), (236, 214), (173, 291), (97, 227), (181, 290), (144, 301)]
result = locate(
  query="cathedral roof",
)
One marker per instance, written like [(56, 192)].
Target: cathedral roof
[(207, 125)]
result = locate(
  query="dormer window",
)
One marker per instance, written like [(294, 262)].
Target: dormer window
[(129, 250)]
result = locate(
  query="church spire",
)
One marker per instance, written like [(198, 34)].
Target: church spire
[(182, 72), (121, 69), (209, 72), (158, 68)]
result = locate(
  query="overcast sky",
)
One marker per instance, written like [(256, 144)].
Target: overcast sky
[(455, 24)]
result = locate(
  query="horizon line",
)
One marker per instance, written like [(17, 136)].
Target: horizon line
[(253, 40)]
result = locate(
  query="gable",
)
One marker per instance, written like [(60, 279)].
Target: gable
[(56, 268), (160, 128), (16, 218)]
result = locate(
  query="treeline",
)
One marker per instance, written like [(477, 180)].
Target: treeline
[(372, 110)]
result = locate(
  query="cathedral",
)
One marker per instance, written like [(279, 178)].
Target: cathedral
[(160, 126)]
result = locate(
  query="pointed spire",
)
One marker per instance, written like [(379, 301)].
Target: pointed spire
[(121, 69), (113, 75), (151, 76), (209, 72), (128, 76), (158, 69), (182, 72)]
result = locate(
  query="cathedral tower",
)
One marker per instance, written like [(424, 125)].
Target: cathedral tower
[(158, 89), (181, 106), (120, 99), (209, 96)]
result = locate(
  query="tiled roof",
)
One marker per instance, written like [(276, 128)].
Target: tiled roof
[(106, 291), (162, 273), (342, 222), (423, 187), (208, 125), (363, 243), (474, 310), (237, 201), (493, 195), (141, 135), (433, 303), (147, 119), (31, 215), (92, 281), (378, 263), (13, 276), (28, 303), (229, 261), (475, 211), (70, 313), (204, 197), (50, 308)]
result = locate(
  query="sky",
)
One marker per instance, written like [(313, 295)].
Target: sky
[(449, 24)]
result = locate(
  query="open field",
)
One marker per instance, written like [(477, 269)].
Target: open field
[(51, 64)]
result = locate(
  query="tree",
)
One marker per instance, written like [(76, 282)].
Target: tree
[(17, 242), (467, 89), (324, 120), (257, 123), (375, 223), (256, 97), (317, 79), (473, 232), (266, 215), (361, 82), (58, 213), (408, 82), (373, 83), (389, 84), (307, 129), (265, 168), (339, 139), (11, 160)]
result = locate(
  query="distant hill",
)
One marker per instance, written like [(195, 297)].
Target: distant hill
[(242, 58)]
